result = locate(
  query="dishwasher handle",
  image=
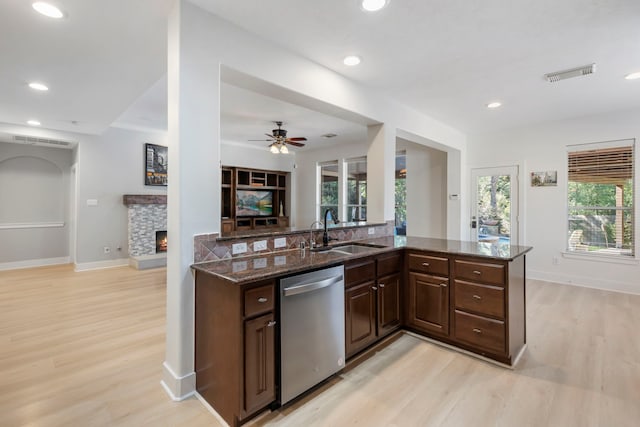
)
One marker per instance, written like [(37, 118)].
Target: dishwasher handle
[(308, 287)]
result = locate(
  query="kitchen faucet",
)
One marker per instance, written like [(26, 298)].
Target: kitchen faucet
[(325, 235), (312, 241)]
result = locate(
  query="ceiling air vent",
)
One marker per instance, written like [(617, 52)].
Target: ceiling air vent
[(567, 74), (41, 141)]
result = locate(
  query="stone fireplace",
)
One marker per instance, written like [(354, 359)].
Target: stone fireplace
[(147, 220)]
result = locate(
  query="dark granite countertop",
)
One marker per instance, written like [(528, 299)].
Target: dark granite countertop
[(274, 264)]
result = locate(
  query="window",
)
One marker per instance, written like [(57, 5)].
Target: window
[(328, 187), (600, 198), (401, 194), (356, 189)]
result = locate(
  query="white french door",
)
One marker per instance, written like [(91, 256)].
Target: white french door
[(494, 204)]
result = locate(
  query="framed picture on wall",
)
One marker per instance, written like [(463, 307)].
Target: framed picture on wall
[(155, 164), (544, 179)]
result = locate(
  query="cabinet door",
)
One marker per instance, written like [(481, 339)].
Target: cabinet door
[(259, 363), (388, 303), (360, 317), (429, 303)]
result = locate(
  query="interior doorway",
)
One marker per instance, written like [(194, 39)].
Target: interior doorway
[(494, 204)]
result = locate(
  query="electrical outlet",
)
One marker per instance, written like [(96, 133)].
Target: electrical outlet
[(260, 245), (107, 249), (280, 242), (238, 248), (372, 230)]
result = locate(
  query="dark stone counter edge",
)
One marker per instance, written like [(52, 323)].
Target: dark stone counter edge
[(338, 259)]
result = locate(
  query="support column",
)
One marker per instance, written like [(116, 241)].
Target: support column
[(193, 205), (381, 164)]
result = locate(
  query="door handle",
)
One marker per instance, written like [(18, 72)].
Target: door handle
[(374, 288), (308, 287), (262, 300)]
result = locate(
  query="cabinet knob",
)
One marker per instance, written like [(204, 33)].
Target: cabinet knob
[(477, 331), (381, 285), (444, 285), (425, 264), (262, 300), (478, 297), (374, 288), (271, 323), (477, 272)]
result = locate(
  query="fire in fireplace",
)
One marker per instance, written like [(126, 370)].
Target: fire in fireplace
[(161, 241)]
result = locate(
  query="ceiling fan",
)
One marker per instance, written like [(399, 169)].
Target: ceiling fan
[(279, 140)]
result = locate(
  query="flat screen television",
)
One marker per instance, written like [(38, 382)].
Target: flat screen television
[(254, 203)]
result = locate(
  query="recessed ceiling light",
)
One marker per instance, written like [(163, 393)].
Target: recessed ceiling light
[(373, 5), (38, 86), (351, 60), (633, 76), (47, 9), (33, 123), (494, 104)]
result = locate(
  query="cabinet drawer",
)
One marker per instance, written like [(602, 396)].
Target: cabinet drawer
[(259, 300), (482, 332), (429, 264), (483, 299), (480, 272), (359, 272), (389, 264)]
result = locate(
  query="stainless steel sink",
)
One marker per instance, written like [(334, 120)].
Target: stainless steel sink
[(350, 249)]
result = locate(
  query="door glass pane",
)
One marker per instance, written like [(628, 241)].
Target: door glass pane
[(401, 194), (494, 208)]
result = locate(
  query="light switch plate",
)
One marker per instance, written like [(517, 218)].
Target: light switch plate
[(92, 202), (280, 242), (372, 230), (260, 245), (238, 248)]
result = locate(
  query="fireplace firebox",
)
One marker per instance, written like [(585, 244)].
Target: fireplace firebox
[(161, 241)]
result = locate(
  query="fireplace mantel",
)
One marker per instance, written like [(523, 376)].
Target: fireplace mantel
[(144, 199)]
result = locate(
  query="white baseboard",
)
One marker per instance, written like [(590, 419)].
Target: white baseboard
[(585, 282), (30, 263), (143, 262), (96, 265), (178, 388)]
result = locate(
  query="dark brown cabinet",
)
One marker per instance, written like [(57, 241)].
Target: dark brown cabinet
[(372, 300), (235, 330), (234, 179), (429, 303)]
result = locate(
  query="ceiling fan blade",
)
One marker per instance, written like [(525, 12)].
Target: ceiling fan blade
[(262, 140), (297, 139), (295, 144), (270, 136)]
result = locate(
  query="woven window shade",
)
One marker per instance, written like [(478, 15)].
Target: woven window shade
[(602, 166)]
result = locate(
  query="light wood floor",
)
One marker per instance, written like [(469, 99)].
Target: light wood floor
[(85, 349)]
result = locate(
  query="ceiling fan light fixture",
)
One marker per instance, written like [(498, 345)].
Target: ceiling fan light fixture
[(47, 9), (274, 149), (493, 105), (351, 60), (373, 5), (284, 149)]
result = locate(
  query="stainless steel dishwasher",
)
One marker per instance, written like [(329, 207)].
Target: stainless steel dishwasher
[(311, 329)]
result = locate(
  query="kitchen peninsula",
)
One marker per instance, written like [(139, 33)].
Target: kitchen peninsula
[(468, 296)]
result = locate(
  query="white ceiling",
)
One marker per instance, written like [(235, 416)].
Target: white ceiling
[(105, 62)]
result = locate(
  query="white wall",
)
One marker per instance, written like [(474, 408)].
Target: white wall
[(34, 191), (110, 166), (543, 209), (236, 154), (426, 190)]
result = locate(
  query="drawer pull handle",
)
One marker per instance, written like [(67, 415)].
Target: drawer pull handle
[(425, 264), (374, 288), (381, 285), (262, 300), (478, 297), (444, 285), (477, 272), (477, 331), (271, 324)]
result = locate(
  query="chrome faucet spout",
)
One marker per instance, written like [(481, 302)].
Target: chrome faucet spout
[(312, 242)]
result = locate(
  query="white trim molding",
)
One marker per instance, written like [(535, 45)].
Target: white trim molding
[(17, 226), (178, 388), (30, 263), (97, 265)]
